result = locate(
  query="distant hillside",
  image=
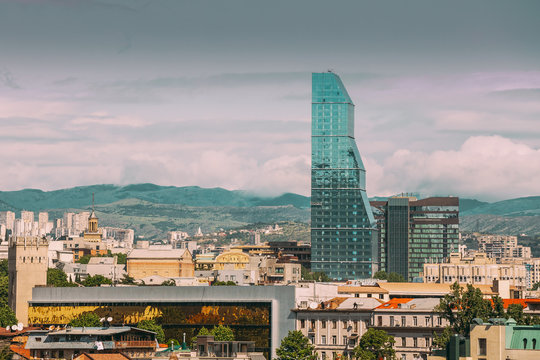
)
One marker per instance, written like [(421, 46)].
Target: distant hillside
[(504, 225), (526, 206), (81, 197), (469, 204)]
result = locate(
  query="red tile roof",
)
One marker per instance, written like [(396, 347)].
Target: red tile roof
[(394, 303)]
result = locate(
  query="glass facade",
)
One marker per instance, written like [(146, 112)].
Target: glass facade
[(343, 233), (413, 232)]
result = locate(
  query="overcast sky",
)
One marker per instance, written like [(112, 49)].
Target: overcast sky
[(217, 93)]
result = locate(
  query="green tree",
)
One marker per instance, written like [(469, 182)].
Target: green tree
[(498, 308), (395, 277), (121, 258), (224, 283), (295, 346), (7, 316), (316, 276), (85, 259), (222, 333), (87, 319), (460, 307), (6, 353), (169, 282), (4, 290), (58, 278), (381, 275), (204, 331), (96, 280), (375, 344), (128, 280), (4, 269), (151, 325), (535, 286)]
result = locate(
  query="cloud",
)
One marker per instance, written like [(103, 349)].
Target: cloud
[(484, 167)]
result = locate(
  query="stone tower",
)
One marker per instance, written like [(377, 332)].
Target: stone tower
[(27, 263)]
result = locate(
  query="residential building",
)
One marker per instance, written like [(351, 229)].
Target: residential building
[(343, 233), (207, 347), (107, 267), (413, 232), (7, 218), (502, 246), (285, 270), (334, 326), (165, 262), (476, 269), (27, 267), (233, 259), (71, 342), (301, 251)]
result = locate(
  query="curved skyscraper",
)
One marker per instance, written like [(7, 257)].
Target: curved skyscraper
[(343, 231)]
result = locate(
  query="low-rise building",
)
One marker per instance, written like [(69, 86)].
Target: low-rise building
[(165, 262)]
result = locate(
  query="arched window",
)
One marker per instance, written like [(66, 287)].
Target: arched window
[(524, 343), (534, 344)]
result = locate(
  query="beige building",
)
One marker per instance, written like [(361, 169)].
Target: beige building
[(169, 263), (279, 271), (502, 246), (477, 269), (27, 264), (334, 326), (233, 259)]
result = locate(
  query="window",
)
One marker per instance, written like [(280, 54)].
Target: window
[(344, 324), (323, 339), (415, 320), (334, 340), (334, 324), (427, 342), (439, 321), (323, 355), (524, 343), (403, 321), (344, 339), (391, 321), (379, 321), (482, 347), (534, 344), (415, 342), (302, 323), (427, 320), (403, 342), (323, 324), (313, 324)]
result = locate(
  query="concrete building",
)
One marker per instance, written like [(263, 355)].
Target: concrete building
[(279, 271), (167, 263), (7, 218), (71, 342), (255, 313), (478, 269), (502, 246), (27, 266), (412, 232), (233, 259), (107, 267)]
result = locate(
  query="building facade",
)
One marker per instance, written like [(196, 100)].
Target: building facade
[(412, 232), (168, 263), (343, 233)]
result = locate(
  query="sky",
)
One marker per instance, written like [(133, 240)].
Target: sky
[(218, 93)]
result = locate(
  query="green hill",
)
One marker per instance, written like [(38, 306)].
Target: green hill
[(525, 206)]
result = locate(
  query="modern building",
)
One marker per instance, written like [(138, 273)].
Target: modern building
[(27, 266), (255, 313), (343, 232), (412, 232), (499, 247)]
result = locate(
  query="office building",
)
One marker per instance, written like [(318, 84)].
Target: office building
[(343, 233), (413, 232)]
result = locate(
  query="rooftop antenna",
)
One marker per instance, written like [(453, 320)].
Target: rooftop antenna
[(92, 202)]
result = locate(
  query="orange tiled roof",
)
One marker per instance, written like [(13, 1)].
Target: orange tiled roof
[(394, 303), (20, 350)]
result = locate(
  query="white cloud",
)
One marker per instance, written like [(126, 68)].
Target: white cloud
[(484, 167)]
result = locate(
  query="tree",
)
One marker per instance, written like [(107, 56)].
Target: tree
[(58, 278), (128, 280), (169, 282), (222, 333), (498, 308), (535, 286), (96, 280), (87, 319), (203, 332), (316, 276), (6, 353), (295, 346), (85, 259), (381, 275), (7, 316), (460, 307), (395, 277), (4, 269), (224, 283), (151, 325), (4, 290), (375, 344)]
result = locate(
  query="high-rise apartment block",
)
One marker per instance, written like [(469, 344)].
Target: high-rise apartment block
[(413, 232), (7, 218), (502, 246), (343, 232)]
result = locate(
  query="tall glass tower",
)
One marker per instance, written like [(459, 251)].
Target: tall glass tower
[(343, 231)]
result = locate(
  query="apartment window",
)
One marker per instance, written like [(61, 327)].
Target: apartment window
[(427, 342), (403, 342), (344, 339), (415, 342), (403, 321), (334, 340), (313, 324), (344, 324), (323, 339), (427, 320), (323, 324), (439, 321), (391, 321), (415, 320), (403, 356), (334, 324), (302, 323), (356, 326), (323, 355), (379, 321), (482, 347)]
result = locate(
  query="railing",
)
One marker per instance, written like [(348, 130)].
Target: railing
[(135, 344)]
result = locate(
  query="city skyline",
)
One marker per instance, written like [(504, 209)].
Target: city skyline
[(181, 93)]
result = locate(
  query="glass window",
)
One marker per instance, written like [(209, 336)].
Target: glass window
[(482, 348)]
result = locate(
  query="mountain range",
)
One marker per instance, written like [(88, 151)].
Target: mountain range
[(153, 209)]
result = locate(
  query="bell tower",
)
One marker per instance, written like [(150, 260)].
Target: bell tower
[(92, 233)]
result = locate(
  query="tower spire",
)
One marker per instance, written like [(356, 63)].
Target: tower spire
[(92, 202)]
